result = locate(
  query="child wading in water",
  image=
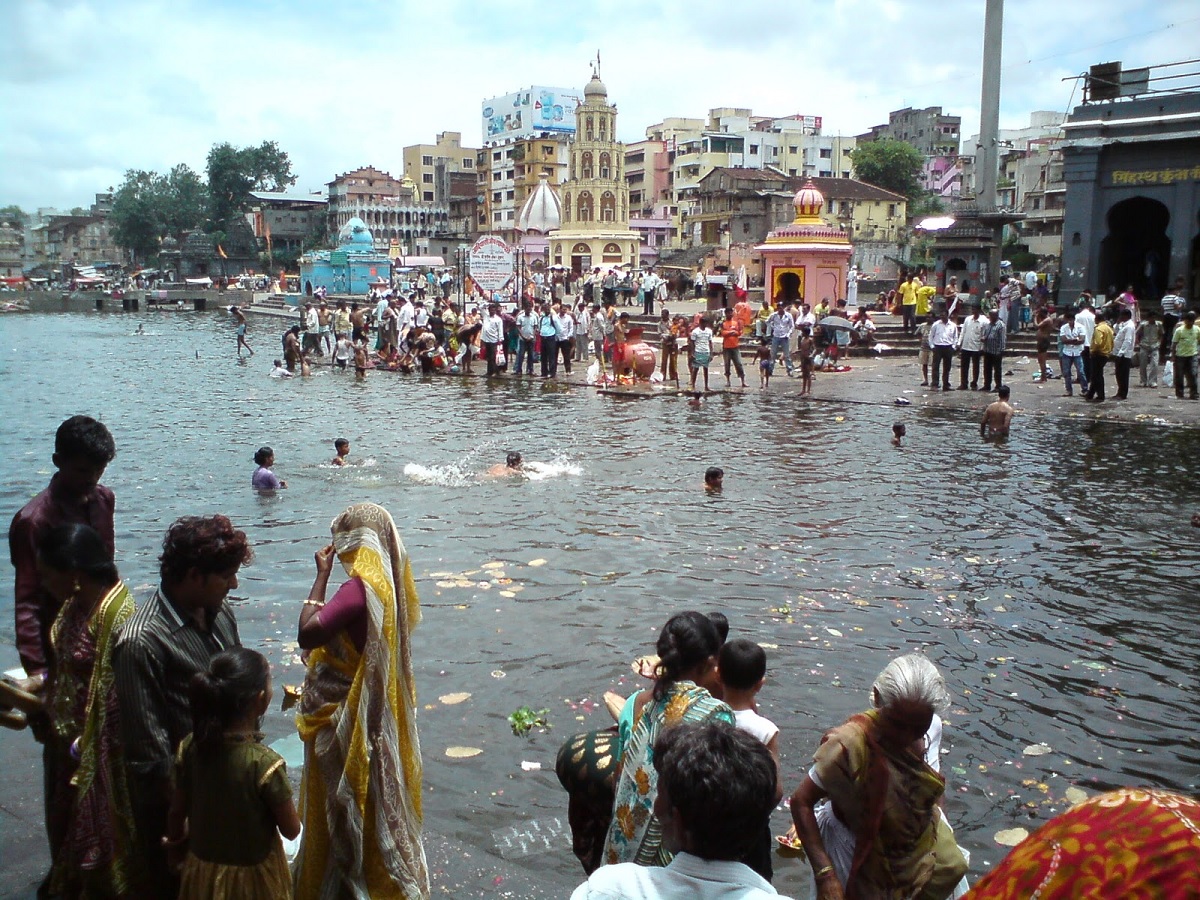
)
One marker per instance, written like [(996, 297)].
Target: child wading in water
[(766, 365), (232, 798), (807, 349)]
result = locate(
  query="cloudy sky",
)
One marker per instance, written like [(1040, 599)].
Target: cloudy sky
[(90, 88)]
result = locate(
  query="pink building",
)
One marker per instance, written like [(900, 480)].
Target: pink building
[(806, 260)]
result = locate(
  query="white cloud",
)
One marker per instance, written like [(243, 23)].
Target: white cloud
[(94, 87)]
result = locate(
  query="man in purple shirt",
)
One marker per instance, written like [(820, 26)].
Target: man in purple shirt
[(83, 448)]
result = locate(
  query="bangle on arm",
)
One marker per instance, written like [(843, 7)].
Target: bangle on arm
[(823, 872), (311, 602)]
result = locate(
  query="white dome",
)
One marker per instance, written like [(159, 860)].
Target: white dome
[(542, 210)]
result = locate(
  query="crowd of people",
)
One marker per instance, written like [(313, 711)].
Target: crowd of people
[(406, 332), (157, 783), (1084, 339)]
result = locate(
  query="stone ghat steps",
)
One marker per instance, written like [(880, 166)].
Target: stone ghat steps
[(888, 331)]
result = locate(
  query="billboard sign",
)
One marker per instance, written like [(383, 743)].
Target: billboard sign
[(492, 263), (530, 112)]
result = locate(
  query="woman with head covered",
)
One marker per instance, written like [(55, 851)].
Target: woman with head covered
[(361, 794)]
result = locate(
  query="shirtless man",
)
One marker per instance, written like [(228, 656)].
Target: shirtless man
[(512, 466), (358, 324), (240, 318), (997, 417), (325, 318), (291, 347), (342, 446)]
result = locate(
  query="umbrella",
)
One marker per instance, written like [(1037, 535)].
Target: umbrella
[(836, 322)]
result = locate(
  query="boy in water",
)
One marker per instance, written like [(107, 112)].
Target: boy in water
[(342, 446), (997, 418), (807, 348), (714, 479), (898, 432), (240, 318), (766, 365), (279, 371), (360, 360), (743, 669), (512, 466)]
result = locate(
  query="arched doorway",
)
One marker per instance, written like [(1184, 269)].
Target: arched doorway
[(1136, 250), (789, 286)]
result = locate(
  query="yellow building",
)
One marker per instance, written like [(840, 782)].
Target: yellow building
[(595, 228)]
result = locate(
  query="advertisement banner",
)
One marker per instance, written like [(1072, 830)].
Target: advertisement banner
[(492, 263), (530, 112)]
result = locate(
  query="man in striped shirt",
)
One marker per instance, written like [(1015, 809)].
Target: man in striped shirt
[(169, 639)]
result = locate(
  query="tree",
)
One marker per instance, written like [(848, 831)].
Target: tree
[(889, 164), (234, 172), (14, 214), (185, 201), (137, 221), (148, 206)]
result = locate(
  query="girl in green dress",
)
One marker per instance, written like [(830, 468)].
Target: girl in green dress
[(232, 797)]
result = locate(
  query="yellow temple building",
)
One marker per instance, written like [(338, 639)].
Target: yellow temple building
[(595, 198)]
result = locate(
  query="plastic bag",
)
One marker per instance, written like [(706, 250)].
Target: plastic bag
[(1168, 372), (593, 372)]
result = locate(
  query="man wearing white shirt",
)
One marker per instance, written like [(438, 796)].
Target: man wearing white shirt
[(1073, 340), (583, 321), (943, 339), (527, 322), (565, 323), (312, 329), (1122, 353), (716, 789), (492, 336), (1086, 319), (405, 316), (971, 348), (780, 326)]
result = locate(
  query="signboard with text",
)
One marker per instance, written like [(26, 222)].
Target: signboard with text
[(530, 112), (492, 263)]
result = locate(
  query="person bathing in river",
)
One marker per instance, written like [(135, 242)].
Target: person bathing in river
[(240, 318), (342, 446), (511, 467), (264, 479), (997, 418)]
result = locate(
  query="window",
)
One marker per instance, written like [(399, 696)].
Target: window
[(508, 195), (791, 148), (468, 163), (604, 165), (497, 156), (426, 178), (511, 215), (427, 160), (496, 197), (427, 196), (498, 217), (754, 149), (891, 210), (497, 176), (826, 153), (508, 154)]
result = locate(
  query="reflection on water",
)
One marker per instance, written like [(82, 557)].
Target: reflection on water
[(1049, 576)]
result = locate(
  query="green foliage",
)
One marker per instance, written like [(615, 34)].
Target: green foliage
[(889, 164), (137, 221), (13, 214), (1018, 254), (318, 234), (148, 206), (524, 719), (927, 204), (233, 172)]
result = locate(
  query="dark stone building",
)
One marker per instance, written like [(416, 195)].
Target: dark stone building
[(1132, 171)]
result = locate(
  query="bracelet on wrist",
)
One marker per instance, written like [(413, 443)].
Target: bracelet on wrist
[(311, 602), (823, 872)]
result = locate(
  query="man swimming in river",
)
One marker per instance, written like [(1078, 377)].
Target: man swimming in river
[(997, 418), (342, 446), (512, 466)]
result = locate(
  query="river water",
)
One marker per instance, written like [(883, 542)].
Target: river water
[(1051, 578)]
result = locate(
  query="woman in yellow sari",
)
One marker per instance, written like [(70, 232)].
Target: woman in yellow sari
[(89, 816), (360, 798)]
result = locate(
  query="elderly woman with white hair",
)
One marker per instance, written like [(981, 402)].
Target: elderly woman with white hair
[(868, 810)]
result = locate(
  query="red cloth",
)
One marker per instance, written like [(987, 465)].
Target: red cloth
[(347, 610), (1129, 843), (35, 609)]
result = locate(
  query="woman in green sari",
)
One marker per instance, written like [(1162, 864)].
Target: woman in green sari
[(89, 819), (881, 834), (687, 671)]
